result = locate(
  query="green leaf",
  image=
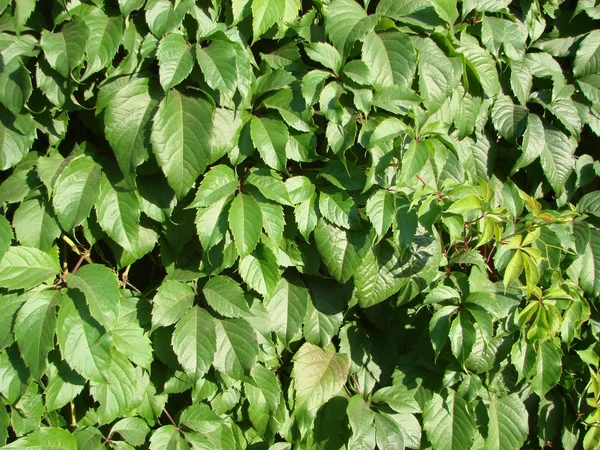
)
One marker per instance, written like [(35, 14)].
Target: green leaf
[(194, 341), (200, 418), (163, 16), (388, 432), (287, 308), (65, 50), (557, 158), (361, 419), (218, 62), (15, 85), (34, 327), (339, 208), (270, 185), (47, 439), (462, 336), (547, 368), (83, 343), (319, 375), (534, 142), (391, 59), (101, 289), (180, 138), (346, 22), (118, 212), (237, 348), (513, 269), (211, 223), (380, 211), (325, 54), (128, 122), (259, 270), (172, 300), (133, 429), (23, 10), (25, 267), (63, 387), (17, 134), (414, 160), (128, 6), (448, 423), (245, 221), (508, 423), (226, 297), (341, 251), (175, 60), (324, 311), (379, 275), (6, 235), (103, 42), (119, 393), (446, 9), (129, 339), (35, 224), (219, 182), (306, 216), (265, 14), (484, 67), (438, 74), (508, 119), (168, 437), (270, 137), (589, 278), (587, 58)]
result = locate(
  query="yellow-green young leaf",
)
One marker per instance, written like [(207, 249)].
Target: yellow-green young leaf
[(100, 286), (245, 222), (175, 60), (237, 347), (65, 49), (265, 14), (194, 341), (128, 122), (319, 374), (226, 297), (468, 203), (448, 423), (46, 438), (104, 40), (25, 267), (34, 327), (287, 308), (180, 138), (513, 269)]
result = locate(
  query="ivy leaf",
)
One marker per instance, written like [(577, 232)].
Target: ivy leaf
[(218, 182), (34, 327), (218, 62), (259, 270), (226, 297), (346, 22), (380, 211), (245, 221), (287, 308), (180, 138), (590, 264), (175, 60), (557, 158), (448, 423), (25, 267), (508, 118), (194, 341), (17, 134), (587, 58), (319, 375), (35, 224), (133, 429), (534, 142), (547, 368), (128, 122)]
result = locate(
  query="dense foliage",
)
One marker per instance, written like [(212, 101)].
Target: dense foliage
[(278, 224)]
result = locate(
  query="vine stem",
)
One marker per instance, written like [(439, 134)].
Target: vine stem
[(170, 418)]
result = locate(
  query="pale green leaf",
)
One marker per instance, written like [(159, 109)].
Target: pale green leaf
[(35, 224), (180, 138), (211, 223), (259, 270), (287, 308), (508, 423), (265, 14), (391, 59), (101, 289), (245, 221), (587, 58), (557, 158), (175, 60), (194, 341), (237, 347), (25, 267), (346, 22), (270, 137), (172, 300), (324, 54), (226, 297), (45, 439), (339, 208), (133, 429), (319, 375), (534, 142)]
